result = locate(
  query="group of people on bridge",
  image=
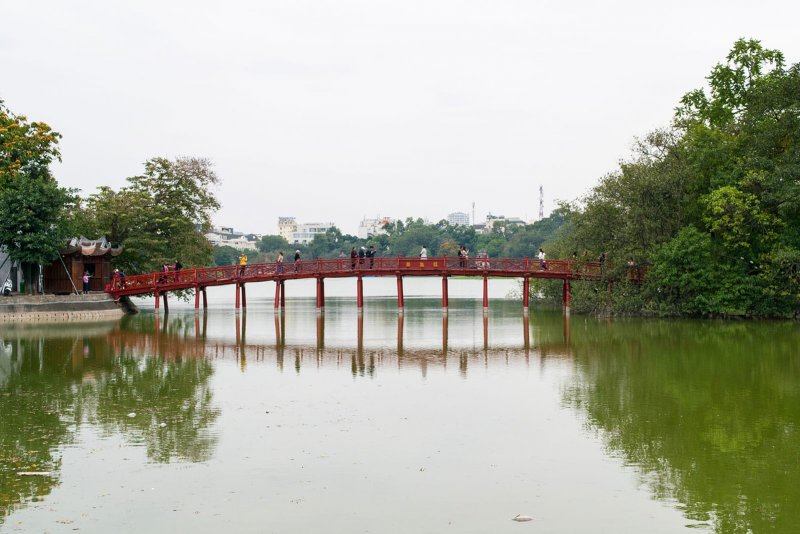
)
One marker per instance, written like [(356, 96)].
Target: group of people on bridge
[(359, 256)]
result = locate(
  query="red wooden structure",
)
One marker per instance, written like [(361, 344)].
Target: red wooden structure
[(198, 279)]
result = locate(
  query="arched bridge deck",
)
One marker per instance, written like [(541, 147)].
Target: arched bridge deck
[(198, 279)]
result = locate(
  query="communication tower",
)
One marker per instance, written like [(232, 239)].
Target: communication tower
[(541, 202)]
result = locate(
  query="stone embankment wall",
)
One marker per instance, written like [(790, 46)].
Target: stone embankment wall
[(55, 308)]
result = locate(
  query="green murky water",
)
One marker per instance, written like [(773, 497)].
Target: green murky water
[(425, 423)]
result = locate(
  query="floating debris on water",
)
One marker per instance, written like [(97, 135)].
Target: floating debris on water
[(34, 473), (520, 517)]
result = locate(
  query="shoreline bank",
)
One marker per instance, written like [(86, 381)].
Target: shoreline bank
[(59, 308)]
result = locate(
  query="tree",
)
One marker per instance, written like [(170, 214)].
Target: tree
[(33, 208), (272, 243), (225, 255), (26, 148), (160, 217), (713, 202)]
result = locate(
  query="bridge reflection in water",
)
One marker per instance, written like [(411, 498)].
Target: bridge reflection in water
[(186, 336)]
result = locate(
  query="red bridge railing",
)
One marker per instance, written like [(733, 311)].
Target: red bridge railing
[(201, 277)]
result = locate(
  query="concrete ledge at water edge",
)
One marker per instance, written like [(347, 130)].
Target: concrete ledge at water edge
[(58, 308)]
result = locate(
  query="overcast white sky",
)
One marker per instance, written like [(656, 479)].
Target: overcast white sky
[(335, 110)]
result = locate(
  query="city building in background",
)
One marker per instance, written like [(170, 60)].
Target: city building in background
[(458, 218), (301, 233), (228, 237), (371, 227), (498, 223)]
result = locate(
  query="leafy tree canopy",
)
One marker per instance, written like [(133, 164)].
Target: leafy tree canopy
[(717, 193), (33, 208), (159, 217)]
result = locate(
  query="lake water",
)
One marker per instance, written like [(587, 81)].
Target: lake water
[(382, 423)]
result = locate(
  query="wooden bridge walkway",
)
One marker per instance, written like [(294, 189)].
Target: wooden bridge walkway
[(198, 279)]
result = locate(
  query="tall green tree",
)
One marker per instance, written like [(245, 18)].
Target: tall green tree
[(713, 201), (160, 217), (33, 208)]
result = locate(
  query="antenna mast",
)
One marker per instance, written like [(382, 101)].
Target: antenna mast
[(541, 202)]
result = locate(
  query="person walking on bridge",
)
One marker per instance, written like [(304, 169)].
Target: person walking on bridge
[(280, 262), (362, 252), (296, 260), (463, 254), (423, 254), (542, 262), (242, 263), (353, 256), (371, 255)]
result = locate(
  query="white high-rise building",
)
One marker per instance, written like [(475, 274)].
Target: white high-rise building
[(458, 218), (371, 227), (301, 233)]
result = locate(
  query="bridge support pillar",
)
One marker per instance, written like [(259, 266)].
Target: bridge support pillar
[(400, 303), (205, 299), (158, 304), (196, 298), (445, 298), (526, 290), (283, 296), (360, 293), (277, 294), (166, 302), (244, 297), (566, 295), (485, 294), (320, 295), (238, 294)]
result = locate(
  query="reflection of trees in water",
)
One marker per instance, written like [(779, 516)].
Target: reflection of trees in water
[(175, 393), (709, 412), (32, 398), (50, 386)]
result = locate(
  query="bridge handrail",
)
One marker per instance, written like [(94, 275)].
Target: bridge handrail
[(204, 276)]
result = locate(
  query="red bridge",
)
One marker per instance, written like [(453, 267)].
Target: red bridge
[(198, 279)]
